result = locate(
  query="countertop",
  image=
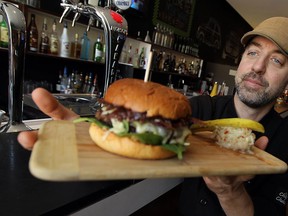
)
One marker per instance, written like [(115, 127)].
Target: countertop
[(22, 194)]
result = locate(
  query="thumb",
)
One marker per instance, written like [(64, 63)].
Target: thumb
[(50, 106), (262, 142)]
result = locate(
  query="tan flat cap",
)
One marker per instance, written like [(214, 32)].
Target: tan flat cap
[(274, 29)]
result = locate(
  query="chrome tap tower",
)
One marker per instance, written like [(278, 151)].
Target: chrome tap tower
[(115, 31), (17, 41)]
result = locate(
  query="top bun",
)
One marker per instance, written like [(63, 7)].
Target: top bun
[(153, 98)]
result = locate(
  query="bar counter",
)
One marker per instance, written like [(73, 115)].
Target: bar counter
[(23, 194)]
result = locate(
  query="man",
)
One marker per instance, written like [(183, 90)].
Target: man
[(261, 77)]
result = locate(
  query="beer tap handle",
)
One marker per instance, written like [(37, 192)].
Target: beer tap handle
[(108, 4), (90, 23), (65, 13), (76, 17)]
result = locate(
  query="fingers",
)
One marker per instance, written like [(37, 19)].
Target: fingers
[(262, 142), (50, 106), (27, 139), (227, 180)]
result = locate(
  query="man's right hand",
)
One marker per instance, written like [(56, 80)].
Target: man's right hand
[(51, 107)]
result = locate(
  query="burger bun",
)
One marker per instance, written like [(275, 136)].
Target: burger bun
[(126, 146), (152, 98)]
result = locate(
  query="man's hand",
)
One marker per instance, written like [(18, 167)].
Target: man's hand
[(51, 107), (230, 190)]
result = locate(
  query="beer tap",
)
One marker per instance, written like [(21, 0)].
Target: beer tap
[(76, 17), (17, 39), (90, 23), (115, 32), (65, 13)]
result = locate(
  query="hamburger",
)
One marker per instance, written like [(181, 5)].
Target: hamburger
[(141, 120)]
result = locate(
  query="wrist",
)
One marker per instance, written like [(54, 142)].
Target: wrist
[(234, 194), (236, 202)]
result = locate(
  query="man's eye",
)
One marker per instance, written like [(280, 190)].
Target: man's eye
[(251, 53), (276, 61)]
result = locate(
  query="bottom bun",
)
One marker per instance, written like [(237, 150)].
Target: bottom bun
[(125, 146)]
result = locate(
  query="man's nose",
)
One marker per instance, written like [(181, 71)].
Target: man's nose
[(260, 65)]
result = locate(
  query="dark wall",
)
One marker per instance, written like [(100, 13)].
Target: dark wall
[(228, 24), (216, 30)]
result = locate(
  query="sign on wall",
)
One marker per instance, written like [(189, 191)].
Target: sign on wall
[(174, 14)]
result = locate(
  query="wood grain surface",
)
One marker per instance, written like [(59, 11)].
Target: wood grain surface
[(65, 152)]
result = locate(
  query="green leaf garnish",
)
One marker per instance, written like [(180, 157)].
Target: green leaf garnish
[(176, 148), (146, 138), (91, 120)]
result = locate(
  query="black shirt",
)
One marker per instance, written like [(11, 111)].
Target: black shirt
[(268, 192)]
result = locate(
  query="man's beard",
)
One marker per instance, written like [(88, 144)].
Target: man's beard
[(256, 98)]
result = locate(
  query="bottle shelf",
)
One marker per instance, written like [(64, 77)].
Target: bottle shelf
[(193, 76), (167, 49), (45, 55)]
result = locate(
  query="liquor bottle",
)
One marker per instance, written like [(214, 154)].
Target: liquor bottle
[(71, 82), (104, 52), (64, 81), (58, 84), (180, 42), (44, 40), (65, 42), (172, 39), (162, 60), (147, 37), (85, 46), (85, 84), (164, 38), (167, 63), (77, 82), (156, 34), (98, 50), (173, 64), (214, 89), (136, 59), (89, 83), (175, 45), (129, 55), (221, 90), (159, 58), (142, 58), (4, 39), (139, 35), (76, 47), (54, 45), (32, 35), (161, 35), (184, 42), (123, 56), (95, 89)]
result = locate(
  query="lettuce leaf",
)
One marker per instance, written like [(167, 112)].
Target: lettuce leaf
[(91, 120), (146, 138), (178, 149)]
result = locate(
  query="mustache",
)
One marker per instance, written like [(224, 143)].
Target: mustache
[(255, 76)]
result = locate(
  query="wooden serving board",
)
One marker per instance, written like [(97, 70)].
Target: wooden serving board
[(64, 151)]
